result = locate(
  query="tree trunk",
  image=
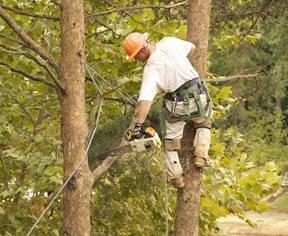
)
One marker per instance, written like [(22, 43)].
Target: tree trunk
[(198, 33), (74, 129), (188, 199)]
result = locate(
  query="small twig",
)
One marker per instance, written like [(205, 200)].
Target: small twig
[(255, 21), (126, 13), (56, 3), (108, 27), (42, 115), (23, 108), (112, 90), (20, 182), (136, 8), (46, 67), (245, 96), (35, 59), (12, 40), (30, 14), (29, 76), (13, 96), (6, 185), (27, 40), (96, 33), (121, 100)]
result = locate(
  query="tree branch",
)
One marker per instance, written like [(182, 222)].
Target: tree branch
[(37, 61), (136, 8), (46, 67), (120, 100), (23, 108), (29, 76), (108, 28), (10, 49), (30, 14), (12, 40), (125, 13), (256, 20), (27, 40), (228, 78), (108, 158)]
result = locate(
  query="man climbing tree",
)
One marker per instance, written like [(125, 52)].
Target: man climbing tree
[(187, 98)]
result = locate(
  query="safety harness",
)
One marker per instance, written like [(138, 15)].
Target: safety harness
[(190, 89)]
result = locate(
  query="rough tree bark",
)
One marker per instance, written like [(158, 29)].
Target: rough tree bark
[(74, 130), (188, 199)]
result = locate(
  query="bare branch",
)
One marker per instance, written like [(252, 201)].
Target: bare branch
[(29, 76), (30, 14), (136, 8), (27, 40), (229, 78)]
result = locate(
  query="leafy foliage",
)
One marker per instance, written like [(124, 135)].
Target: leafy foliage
[(250, 125)]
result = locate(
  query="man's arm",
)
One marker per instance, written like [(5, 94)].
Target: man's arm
[(143, 108)]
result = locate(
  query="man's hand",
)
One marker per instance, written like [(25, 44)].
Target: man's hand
[(136, 133)]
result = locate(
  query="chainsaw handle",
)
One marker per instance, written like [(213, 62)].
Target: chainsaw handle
[(149, 131)]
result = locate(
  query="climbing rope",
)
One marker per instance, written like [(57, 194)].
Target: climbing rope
[(92, 71), (69, 178), (166, 198)]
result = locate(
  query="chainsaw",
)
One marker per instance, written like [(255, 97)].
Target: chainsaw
[(149, 140)]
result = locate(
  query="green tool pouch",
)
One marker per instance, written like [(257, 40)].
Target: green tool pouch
[(187, 94)]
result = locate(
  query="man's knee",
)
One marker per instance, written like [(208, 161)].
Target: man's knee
[(172, 144), (202, 123), (173, 164)]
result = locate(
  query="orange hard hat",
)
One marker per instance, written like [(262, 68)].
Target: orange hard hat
[(133, 43)]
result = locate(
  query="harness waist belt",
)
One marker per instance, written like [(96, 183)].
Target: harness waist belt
[(179, 91)]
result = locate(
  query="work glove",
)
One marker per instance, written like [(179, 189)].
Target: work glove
[(136, 133)]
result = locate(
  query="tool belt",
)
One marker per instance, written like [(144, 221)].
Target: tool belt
[(187, 93)]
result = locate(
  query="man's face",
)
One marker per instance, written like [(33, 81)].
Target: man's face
[(142, 55)]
